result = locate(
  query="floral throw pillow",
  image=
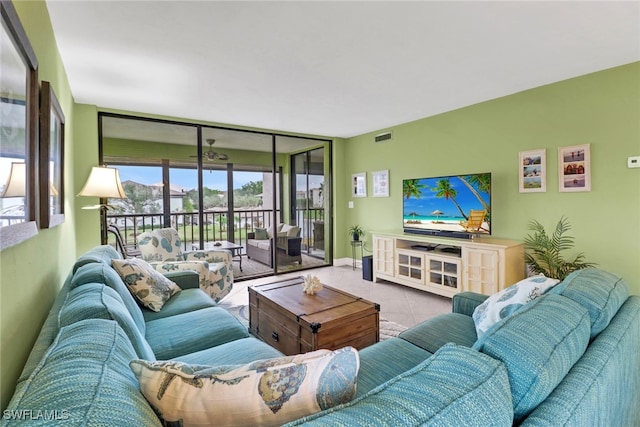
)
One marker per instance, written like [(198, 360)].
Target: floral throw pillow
[(266, 392), (506, 302), (147, 285)]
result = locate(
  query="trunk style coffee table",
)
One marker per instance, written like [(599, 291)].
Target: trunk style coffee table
[(293, 322)]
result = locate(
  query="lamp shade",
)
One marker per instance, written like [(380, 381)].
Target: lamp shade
[(105, 183), (15, 186)]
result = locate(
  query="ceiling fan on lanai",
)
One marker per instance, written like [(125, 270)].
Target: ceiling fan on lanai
[(212, 155)]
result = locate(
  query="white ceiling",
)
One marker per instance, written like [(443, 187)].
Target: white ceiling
[(330, 68)]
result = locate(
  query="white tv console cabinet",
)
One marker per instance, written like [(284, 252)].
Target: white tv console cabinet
[(446, 266)]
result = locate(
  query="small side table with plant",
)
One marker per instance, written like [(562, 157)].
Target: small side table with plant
[(355, 231)]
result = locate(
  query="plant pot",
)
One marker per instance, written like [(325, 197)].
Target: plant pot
[(356, 237)]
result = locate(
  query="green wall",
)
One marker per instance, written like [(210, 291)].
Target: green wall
[(31, 272), (600, 109)]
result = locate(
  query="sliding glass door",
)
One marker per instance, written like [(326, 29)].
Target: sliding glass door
[(217, 184)]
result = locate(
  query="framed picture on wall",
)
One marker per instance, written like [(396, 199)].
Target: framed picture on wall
[(574, 168), (380, 183), (359, 184), (532, 171), (51, 158)]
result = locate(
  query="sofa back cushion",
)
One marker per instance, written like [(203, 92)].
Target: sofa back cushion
[(98, 301), (85, 378), (455, 387), (99, 254), (538, 344), (602, 388), (101, 273), (600, 292)]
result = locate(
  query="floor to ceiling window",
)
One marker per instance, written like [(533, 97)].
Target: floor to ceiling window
[(308, 207), (215, 184)]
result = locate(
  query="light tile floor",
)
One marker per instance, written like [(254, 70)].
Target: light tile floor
[(400, 304)]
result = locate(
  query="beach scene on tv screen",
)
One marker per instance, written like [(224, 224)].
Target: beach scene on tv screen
[(460, 203)]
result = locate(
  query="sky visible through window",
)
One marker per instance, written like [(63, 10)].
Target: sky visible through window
[(186, 178)]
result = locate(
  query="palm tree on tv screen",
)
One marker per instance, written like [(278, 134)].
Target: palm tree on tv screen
[(480, 181), (445, 190), (412, 187)]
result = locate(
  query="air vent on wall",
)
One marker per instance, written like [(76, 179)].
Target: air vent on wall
[(383, 137)]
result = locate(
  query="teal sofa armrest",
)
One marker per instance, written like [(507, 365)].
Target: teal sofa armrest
[(186, 279), (466, 302)]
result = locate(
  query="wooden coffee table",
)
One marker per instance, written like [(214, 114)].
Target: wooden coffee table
[(294, 322)]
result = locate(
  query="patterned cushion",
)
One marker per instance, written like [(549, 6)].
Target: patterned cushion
[(147, 285), (538, 344), (266, 392), (160, 245), (200, 267), (601, 293), (509, 300)]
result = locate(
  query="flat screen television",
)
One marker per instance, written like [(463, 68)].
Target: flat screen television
[(448, 206)]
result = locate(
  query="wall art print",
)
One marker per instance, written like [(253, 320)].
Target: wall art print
[(574, 168), (359, 184), (380, 183), (532, 171)]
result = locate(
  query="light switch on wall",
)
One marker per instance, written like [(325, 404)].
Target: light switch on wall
[(633, 162), (351, 204)]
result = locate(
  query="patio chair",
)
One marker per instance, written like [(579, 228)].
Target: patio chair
[(475, 221), (127, 251), (162, 249)]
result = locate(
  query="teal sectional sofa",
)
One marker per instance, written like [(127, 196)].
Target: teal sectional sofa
[(570, 357)]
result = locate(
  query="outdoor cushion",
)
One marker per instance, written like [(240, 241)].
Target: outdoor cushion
[(197, 330), (261, 234), (509, 300), (455, 387), (85, 377), (147, 285), (266, 392), (538, 344), (98, 301), (440, 330), (600, 292), (383, 361)]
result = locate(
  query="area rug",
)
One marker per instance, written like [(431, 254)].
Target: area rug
[(388, 329)]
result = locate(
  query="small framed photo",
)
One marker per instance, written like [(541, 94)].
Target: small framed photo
[(532, 171), (380, 183), (359, 184), (574, 168)]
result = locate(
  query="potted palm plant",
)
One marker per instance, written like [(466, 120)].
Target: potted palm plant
[(544, 253), (355, 231)]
